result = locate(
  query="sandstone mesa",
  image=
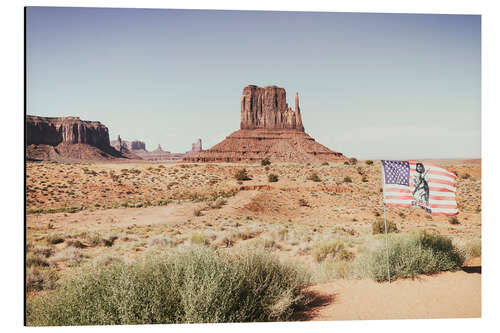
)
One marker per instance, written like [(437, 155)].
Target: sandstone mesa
[(269, 128)]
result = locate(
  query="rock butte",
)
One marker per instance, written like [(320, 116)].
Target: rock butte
[(269, 128), (67, 138), (138, 149)]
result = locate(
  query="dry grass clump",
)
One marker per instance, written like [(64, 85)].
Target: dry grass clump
[(71, 256), (314, 177), (334, 249), (378, 227), (217, 204), (55, 238), (162, 241), (40, 278), (193, 285), (472, 249), (199, 239)]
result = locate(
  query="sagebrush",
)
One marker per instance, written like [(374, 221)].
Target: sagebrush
[(193, 285)]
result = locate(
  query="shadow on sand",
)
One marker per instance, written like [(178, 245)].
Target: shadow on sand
[(317, 302)]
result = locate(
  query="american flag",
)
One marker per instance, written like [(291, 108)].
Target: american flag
[(418, 184)]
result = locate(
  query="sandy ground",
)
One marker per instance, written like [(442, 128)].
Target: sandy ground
[(446, 295), (180, 199)]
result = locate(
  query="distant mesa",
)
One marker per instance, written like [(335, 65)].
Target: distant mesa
[(269, 128), (138, 148), (67, 138)]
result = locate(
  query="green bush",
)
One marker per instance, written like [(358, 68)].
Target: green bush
[(265, 162), (242, 174), (378, 227), (410, 255), (272, 178), (194, 285)]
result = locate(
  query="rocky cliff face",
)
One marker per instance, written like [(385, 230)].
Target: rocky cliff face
[(266, 108), (55, 130), (67, 138)]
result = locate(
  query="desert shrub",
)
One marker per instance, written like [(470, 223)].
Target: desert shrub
[(162, 241), (33, 259), (194, 285), (466, 176), (272, 178), (314, 177), (378, 227), (40, 278), (199, 239), (75, 243), (453, 220), (55, 239), (334, 248), (218, 203), (347, 179), (410, 255), (353, 161), (364, 179), (44, 251), (472, 249), (332, 268), (242, 174), (303, 203), (265, 162), (369, 162), (71, 256), (324, 163)]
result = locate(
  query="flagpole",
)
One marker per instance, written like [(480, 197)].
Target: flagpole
[(387, 246), (385, 225)]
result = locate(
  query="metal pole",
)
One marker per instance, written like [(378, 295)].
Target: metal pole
[(387, 246), (385, 225)]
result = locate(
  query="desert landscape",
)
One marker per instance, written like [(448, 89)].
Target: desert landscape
[(268, 188)]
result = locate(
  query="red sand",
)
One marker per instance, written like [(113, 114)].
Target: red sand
[(446, 295)]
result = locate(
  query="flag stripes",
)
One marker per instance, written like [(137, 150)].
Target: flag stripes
[(426, 185)]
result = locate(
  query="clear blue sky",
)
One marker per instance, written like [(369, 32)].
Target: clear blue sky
[(370, 85)]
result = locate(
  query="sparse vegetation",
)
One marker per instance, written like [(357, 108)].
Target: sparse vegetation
[(265, 162), (369, 162), (242, 175), (303, 203), (453, 220), (347, 179), (272, 178), (191, 286), (314, 177), (334, 249), (410, 255), (378, 227)]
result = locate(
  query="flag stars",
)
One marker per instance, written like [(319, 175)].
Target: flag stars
[(397, 172)]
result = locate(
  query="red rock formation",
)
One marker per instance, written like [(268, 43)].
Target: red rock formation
[(54, 130), (267, 108), (269, 128), (59, 138)]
